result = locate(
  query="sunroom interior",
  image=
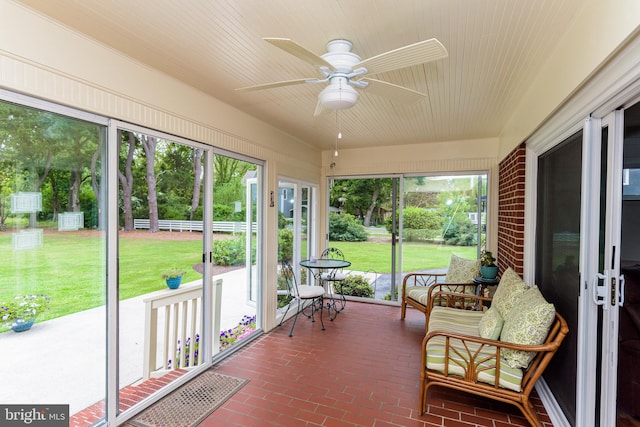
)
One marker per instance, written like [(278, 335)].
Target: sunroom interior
[(534, 96)]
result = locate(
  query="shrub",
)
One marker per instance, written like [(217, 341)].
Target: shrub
[(416, 218), (387, 297), (285, 244), (357, 286), (282, 220), (222, 212), (411, 235), (285, 299), (229, 251), (461, 232), (346, 228)]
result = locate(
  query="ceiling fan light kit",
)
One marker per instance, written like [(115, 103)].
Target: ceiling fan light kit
[(338, 96)]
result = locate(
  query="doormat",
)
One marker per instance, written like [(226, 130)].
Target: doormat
[(191, 403)]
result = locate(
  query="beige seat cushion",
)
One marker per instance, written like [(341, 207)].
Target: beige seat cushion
[(466, 322), (418, 293)]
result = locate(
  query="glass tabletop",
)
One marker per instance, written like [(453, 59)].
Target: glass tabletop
[(324, 263)]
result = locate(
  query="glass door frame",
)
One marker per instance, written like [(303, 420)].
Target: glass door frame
[(113, 326), (607, 295)]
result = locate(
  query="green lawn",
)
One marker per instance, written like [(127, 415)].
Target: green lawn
[(372, 256), (70, 267)]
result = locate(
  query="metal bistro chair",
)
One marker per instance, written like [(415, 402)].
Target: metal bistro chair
[(303, 294), (334, 279)]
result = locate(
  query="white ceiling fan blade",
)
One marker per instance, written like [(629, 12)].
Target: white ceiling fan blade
[(274, 84), (394, 92), (298, 51), (407, 56)]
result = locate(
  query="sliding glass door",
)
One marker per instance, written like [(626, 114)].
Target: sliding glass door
[(296, 202), (558, 255), (236, 250), (127, 255), (587, 261), (363, 226), (387, 226), (53, 256)]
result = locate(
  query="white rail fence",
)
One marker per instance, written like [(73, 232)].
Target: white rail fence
[(173, 328), (185, 225)]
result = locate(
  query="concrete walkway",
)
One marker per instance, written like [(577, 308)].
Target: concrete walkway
[(62, 361)]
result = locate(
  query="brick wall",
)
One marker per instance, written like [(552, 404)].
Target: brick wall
[(511, 181)]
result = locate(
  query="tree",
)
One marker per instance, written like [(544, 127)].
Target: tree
[(76, 142), (228, 186), (6, 184), (197, 180), (126, 176), (26, 139), (362, 197), (149, 144), (96, 179)]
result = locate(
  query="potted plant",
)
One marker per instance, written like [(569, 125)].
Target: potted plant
[(173, 277), (20, 313), (488, 268)]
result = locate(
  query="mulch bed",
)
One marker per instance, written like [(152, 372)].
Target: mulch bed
[(217, 269)]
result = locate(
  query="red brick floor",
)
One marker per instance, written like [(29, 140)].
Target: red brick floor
[(129, 396), (363, 370)]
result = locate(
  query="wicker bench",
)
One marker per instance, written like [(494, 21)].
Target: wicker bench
[(454, 355)]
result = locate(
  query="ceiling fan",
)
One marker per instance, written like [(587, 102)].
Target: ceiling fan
[(346, 72)]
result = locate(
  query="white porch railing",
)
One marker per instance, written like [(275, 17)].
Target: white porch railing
[(173, 319), (184, 225)]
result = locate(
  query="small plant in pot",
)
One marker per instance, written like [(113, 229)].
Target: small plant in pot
[(21, 311), (488, 267), (173, 277)]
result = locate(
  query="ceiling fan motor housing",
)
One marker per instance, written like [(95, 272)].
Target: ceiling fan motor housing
[(339, 94), (340, 56)]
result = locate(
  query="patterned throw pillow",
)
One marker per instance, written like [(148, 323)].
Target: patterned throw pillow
[(490, 325), (462, 270), (510, 288), (528, 323)]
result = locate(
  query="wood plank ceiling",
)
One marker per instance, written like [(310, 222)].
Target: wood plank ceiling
[(495, 48)]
